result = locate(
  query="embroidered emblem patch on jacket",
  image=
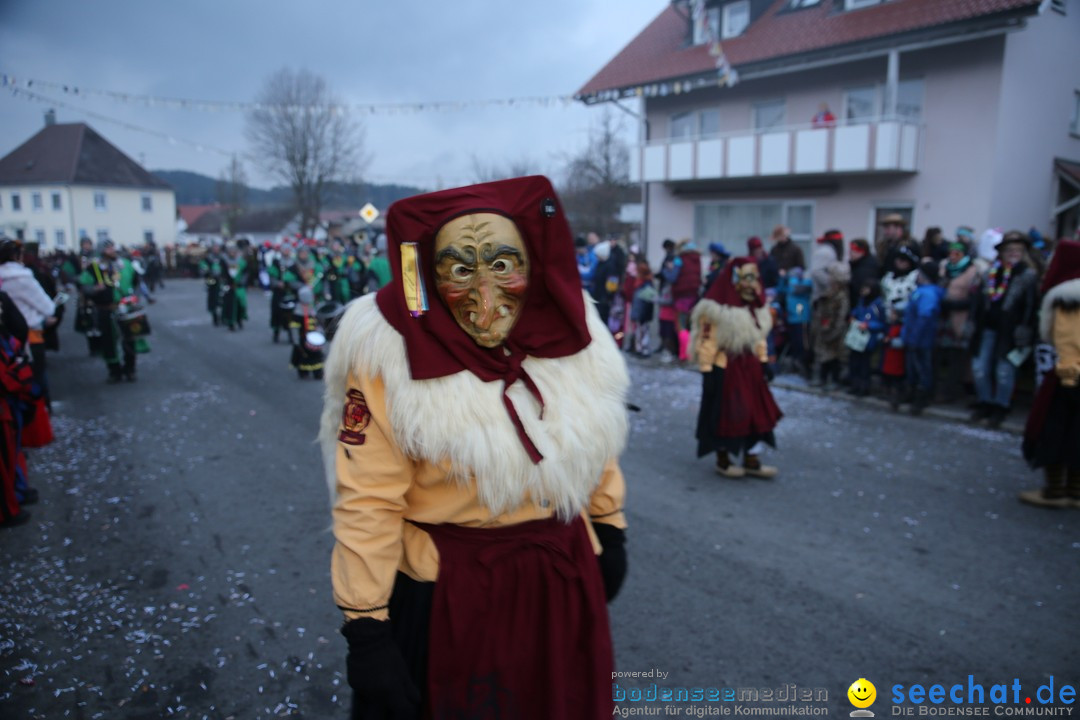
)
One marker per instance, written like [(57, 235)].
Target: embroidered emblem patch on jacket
[(354, 418)]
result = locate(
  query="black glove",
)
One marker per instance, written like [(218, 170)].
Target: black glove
[(378, 674), (613, 558), (770, 374)]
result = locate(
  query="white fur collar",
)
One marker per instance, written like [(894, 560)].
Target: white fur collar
[(1068, 290), (463, 418), (733, 327)]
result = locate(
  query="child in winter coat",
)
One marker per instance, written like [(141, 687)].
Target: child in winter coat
[(795, 291), (919, 334), (869, 316), (896, 288)]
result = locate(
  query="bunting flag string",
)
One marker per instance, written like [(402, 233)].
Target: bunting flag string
[(726, 74), (204, 147), (17, 82)]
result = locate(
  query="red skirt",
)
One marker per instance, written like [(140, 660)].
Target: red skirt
[(737, 408), (519, 624), (892, 359)]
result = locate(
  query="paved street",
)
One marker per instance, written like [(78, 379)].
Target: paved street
[(177, 564)]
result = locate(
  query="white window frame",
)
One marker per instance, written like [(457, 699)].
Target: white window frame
[(59, 239), (874, 104), (712, 18), (83, 234), (690, 115), (148, 236), (701, 122), (146, 202), (39, 237), (101, 234), (57, 202), (103, 206), (727, 27), (804, 239), (37, 203), (922, 97), (754, 114), (16, 202)]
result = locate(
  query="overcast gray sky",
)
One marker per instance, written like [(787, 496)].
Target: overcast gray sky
[(370, 52)]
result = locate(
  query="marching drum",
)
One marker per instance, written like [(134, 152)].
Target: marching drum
[(314, 341), (133, 324)]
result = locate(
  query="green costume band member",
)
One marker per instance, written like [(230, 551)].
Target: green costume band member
[(211, 268), (234, 283), (103, 283)]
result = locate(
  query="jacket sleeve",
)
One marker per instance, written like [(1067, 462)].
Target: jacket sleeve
[(706, 349), (373, 476), (608, 499), (36, 297)]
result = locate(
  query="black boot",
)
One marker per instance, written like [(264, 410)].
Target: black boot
[(997, 416), (981, 412), (919, 403), (1054, 493)]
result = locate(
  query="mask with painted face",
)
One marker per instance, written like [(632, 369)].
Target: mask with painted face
[(482, 274), (747, 282)]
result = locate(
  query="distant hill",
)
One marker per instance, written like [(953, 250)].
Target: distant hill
[(196, 189)]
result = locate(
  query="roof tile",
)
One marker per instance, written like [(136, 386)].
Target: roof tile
[(659, 52)]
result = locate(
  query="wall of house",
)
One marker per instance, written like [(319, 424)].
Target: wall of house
[(1038, 98), (30, 221), (961, 86), (123, 218)]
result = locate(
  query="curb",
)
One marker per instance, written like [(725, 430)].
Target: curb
[(932, 411)]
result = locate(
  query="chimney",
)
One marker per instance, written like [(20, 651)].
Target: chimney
[(50, 117)]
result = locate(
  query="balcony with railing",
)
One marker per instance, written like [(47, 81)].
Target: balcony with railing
[(882, 146)]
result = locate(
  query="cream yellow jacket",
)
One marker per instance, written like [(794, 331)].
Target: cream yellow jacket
[(718, 331), (1061, 328), (445, 451)]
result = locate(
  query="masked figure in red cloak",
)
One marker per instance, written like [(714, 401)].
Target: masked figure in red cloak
[(738, 414), (474, 414)]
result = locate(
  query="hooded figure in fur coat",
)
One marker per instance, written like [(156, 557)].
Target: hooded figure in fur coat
[(1052, 435), (738, 413), (474, 412)]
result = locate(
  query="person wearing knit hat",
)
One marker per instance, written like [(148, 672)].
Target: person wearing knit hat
[(1052, 433), (474, 413), (738, 414), (1005, 320), (718, 257)]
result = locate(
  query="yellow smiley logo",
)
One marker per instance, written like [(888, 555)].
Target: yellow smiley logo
[(862, 693)]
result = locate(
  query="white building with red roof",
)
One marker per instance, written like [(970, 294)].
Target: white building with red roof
[(950, 112)]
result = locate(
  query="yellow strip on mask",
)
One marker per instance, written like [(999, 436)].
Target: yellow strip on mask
[(411, 280)]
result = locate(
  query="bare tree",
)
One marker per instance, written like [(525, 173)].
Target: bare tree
[(489, 172), (305, 137), (597, 180), (231, 192)]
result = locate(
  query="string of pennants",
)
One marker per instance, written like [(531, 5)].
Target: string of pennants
[(154, 101)]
